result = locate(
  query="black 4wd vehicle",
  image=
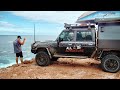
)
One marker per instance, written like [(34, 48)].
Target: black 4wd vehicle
[(84, 41)]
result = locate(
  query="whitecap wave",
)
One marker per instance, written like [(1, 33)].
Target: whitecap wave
[(10, 41), (27, 58), (26, 51), (3, 51), (5, 65)]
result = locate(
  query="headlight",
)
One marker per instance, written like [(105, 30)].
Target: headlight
[(34, 45)]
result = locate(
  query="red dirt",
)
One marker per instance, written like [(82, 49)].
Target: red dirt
[(64, 68)]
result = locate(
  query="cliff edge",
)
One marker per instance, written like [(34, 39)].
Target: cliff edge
[(64, 68)]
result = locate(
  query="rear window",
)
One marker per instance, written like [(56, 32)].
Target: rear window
[(84, 36)]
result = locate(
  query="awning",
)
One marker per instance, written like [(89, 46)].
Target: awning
[(90, 16)]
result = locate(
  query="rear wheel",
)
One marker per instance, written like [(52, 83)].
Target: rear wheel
[(110, 63), (42, 59)]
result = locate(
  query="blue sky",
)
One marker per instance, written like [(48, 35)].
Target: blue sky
[(47, 22)]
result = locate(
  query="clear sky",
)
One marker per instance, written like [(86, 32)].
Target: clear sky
[(47, 22)]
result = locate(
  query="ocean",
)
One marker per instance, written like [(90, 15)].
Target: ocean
[(7, 55)]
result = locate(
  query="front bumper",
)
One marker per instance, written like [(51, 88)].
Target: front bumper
[(33, 51)]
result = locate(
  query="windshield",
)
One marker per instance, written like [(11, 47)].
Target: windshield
[(67, 35)]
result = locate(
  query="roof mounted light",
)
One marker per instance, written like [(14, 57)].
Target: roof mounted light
[(89, 26), (69, 26)]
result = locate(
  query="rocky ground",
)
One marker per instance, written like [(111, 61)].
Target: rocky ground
[(64, 68)]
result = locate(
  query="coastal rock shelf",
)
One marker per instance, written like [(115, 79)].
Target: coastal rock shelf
[(64, 68)]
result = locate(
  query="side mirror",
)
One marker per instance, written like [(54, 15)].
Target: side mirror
[(96, 23), (60, 39)]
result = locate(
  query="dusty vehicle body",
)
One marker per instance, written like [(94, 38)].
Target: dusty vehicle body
[(84, 41)]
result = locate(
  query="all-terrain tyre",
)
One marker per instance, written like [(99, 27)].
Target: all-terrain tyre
[(110, 63), (42, 59)]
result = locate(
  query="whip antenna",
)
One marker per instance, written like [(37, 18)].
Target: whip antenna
[(34, 32)]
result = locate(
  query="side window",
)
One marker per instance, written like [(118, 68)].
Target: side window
[(84, 36), (67, 35)]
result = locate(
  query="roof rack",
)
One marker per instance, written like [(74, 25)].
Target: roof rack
[(81, 25), (69, 26)]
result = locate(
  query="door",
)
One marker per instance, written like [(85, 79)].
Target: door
[(85, 40), (67, 42)]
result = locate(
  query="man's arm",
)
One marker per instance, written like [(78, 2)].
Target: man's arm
[(22, 42)]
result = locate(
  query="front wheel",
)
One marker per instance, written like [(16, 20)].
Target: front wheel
[(42, 58), (110, 63)]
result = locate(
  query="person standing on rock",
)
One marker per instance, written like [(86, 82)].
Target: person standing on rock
[(17, 49)]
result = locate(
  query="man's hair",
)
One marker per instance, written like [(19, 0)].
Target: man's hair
[(19, 37)]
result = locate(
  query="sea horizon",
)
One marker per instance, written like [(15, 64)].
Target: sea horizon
[(7, 55)]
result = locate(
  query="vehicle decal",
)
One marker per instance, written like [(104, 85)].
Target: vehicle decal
[(74, 49)]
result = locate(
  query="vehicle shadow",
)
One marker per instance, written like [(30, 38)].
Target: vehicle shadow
[(78, 63)]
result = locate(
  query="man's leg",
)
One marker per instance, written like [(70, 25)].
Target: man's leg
[(17, 60), (21, 59)]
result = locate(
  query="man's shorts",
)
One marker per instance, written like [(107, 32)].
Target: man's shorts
[(19, 54)]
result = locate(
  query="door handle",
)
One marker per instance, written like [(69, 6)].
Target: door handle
[(102, 29)]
